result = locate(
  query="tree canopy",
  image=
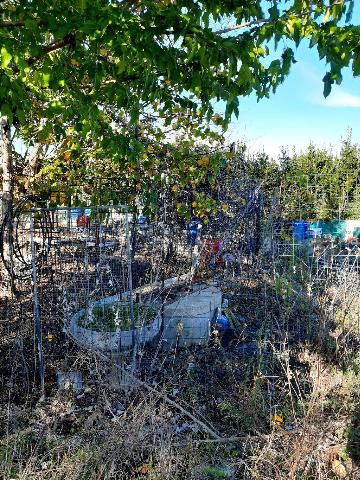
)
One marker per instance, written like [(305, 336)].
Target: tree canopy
[(78, 58), (114, 76)]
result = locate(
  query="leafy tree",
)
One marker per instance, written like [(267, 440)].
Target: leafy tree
[(314, 184), (76, 72), (353, 210), (307, 191)]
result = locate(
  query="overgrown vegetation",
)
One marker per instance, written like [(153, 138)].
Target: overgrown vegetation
[(109, 318), (114, 102)]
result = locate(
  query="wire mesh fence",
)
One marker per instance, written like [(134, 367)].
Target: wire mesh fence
[(107, 281)]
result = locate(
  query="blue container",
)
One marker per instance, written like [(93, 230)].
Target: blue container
[(76, 212), (193, 230), (299, 231), (142, 220), (221, 324)]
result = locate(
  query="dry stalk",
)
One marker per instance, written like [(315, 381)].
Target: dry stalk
[(162, 395)]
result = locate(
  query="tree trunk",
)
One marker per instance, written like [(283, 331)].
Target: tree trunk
[(6, 200), (32, 165), (6, 163)]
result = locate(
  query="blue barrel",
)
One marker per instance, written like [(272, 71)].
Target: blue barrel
[(76, 212), (299, 230)]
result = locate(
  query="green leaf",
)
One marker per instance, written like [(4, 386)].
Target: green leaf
[(314, 40), (326, 16), (21, 116), (5, 57), (328, 81), (349, 13), (297, 33), (31, 25), (356, 63), (244, 75), (273, 12), (6, 111), (45, 79)]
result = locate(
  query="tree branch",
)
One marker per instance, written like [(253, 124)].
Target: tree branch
[(31, 167), (48, 49), (261, 21), (241, 25), (18, 23), (9, 24)]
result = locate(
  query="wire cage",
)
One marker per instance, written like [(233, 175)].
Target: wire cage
[(84, 280), (122, 286), (113, 283)]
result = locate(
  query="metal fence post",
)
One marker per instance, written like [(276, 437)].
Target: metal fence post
[(130, 283), (36, 309)]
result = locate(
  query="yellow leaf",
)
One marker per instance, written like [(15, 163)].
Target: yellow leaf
[(74, 62), (203, 162), (194, 204), (278, 420), (224, 207), (67, 154), (149, 148), (175, 188), (103, 51)]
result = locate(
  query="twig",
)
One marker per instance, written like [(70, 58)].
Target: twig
[(241, 25), (261, 21), (10, 24), (207, 429), (172, 403)]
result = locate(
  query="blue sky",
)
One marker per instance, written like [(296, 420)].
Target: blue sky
[(298, 113)]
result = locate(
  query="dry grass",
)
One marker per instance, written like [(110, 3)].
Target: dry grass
[(290, 410)]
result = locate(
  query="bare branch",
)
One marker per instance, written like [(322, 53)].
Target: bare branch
[(9, 24)]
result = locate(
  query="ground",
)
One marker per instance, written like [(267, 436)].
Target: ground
[(278, 398)]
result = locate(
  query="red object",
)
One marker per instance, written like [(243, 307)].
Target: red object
[(82, 221), (217, 246), (217, 251), (212, 250)]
